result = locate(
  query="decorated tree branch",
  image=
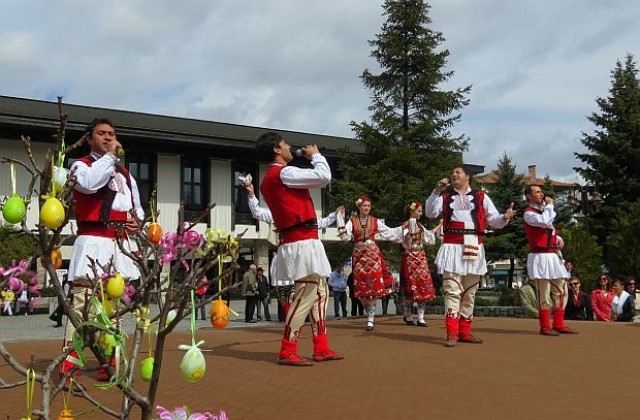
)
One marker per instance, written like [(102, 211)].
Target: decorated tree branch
[(172, 266)]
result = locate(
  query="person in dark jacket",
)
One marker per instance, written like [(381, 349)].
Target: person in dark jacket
[(579, 302)]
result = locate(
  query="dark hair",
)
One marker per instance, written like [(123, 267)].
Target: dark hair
[(465, 170), (265, 145), (598, 281), (527, 189), (97, 121)]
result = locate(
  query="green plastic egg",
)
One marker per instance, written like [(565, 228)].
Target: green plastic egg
[(146, 370), (14, 209)]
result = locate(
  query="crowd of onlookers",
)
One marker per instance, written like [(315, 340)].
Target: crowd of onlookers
[(615, 298)]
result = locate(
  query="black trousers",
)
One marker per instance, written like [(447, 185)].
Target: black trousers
[(356, 307), (249, 308)]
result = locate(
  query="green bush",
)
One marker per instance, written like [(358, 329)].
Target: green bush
[(15, 245)]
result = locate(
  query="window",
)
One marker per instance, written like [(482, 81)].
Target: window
[(195, 187), (142, 169), (242, 213)]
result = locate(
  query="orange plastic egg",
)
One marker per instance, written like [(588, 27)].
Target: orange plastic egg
[(155, 233), (219, 314)]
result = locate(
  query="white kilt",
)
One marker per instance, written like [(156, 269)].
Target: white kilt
[(546, 266), (297, 260), (101, 249), (450, 259)]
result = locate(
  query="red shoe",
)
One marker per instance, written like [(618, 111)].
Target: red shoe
[(464, 332), (564, 330), (321, 350), (295, 360), (549, 332), (289, 354), (452, 339)]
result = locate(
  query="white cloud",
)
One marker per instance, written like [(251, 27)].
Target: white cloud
[(536, 66)]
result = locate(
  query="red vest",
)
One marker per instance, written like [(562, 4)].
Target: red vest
[(453, 232), (291, 208), (541, 240), (94, 212), (362, 233)]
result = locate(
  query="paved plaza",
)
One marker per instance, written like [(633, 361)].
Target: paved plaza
[(394, 372)]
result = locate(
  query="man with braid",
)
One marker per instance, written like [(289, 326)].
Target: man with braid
[(545, 266), (461, 258), (300, 255)]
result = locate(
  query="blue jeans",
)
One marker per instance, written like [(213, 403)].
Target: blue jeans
[(264, 301), (340, 299)]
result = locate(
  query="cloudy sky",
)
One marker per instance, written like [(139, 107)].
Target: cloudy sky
[(536, 66)]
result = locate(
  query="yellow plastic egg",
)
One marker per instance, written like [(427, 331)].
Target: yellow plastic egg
[(115, 287), (52, 213)]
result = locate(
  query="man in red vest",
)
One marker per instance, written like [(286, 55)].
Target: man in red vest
[(545, 265), (460, 259), (300, 255), (107, 207)]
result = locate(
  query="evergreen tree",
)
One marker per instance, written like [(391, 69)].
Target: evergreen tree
[(408, 145), (510, 242), (564, 212), (623, 243), (583, 249), (613, 161)]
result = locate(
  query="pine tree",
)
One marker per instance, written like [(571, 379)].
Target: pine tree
[(613, 160), (408, 144), (510, 242)]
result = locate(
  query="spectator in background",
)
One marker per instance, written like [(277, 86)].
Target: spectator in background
[(568, 264), (622, 305), (250, 292), (201, 296), (263, 294), (601, 298), (579, 303), (56, 316), (338, 283), (529, 300), (356, 305), (632, 289)]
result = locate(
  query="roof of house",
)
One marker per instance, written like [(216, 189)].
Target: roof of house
[(529, 178), (22, 112)]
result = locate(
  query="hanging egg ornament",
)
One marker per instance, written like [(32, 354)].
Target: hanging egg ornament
[(193, 365), (56, 258), (115, 286), (108, 306), (155, 233), (171, 315), (219, 314), (107, 343), (59, 177), (146, 370), (52, 213), (66, 414), (14, 210)]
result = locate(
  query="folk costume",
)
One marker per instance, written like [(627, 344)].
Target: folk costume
[(105, 194), (284, 287), (300, 256), (545, 266), (461, 257), (415, 276), (371, 277)]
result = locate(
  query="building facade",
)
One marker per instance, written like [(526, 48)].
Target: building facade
[(189, 162)]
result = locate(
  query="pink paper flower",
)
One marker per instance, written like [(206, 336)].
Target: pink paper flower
[(182, 413)]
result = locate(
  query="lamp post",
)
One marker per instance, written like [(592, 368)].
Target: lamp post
[(585, 199)]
